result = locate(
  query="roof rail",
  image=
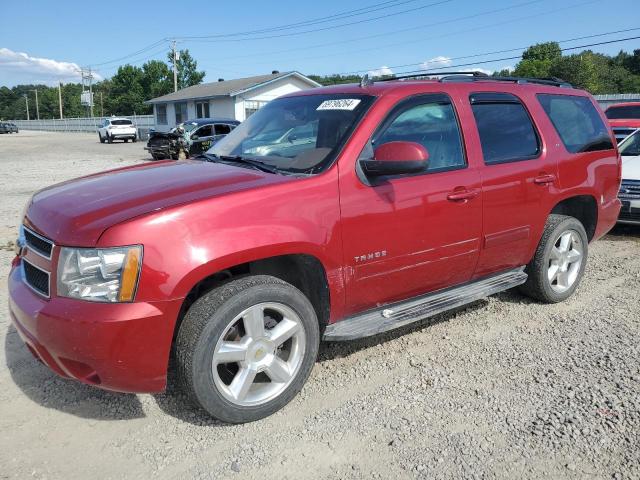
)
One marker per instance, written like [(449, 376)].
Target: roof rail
[(475, 76), (433, 74)]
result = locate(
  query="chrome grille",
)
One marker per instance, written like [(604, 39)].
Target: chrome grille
[(36, 278), (629, 190), (37, 243)]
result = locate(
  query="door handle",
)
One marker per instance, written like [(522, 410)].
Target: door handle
[(463, 195), (544, 179)]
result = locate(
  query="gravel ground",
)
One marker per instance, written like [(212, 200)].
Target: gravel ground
[(506, 388)]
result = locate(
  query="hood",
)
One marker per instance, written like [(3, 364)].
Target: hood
[(77, 212), (630, 167)]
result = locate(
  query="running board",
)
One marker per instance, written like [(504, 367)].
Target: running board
[(403, 313)]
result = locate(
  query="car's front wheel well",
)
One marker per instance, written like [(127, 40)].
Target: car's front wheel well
[(304, 272), (582, 207)]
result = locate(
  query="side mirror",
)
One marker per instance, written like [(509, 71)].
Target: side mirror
[(396, 158), (194, 137)]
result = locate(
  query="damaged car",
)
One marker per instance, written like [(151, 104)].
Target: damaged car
[(190, 138)]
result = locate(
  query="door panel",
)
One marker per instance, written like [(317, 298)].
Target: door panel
[(517, 177), (408, 235)]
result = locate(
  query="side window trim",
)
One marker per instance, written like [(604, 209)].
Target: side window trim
[(402, 106), (492, 98)]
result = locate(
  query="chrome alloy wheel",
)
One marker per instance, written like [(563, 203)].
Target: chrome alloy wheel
[(259, 354), (565, 261)]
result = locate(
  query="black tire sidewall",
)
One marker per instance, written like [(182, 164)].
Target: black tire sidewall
[(203, 385), (567, 224)]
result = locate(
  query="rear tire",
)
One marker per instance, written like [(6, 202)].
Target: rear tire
[(559, 262), (109, 138), (245, 349), (126, 140)]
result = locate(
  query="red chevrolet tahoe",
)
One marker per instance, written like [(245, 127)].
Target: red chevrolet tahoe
[(333, 213), (624, 119)]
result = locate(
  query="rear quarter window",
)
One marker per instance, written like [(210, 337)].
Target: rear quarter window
[(577, 122), (506, 131), (623, 112)]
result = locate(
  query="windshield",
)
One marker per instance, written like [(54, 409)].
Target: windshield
[(296, 134), (618, 113), (630, 146)]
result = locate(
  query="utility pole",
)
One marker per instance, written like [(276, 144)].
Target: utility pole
[(60, 98), (175, 66), (37, 106), (26, 98), (91, 91)]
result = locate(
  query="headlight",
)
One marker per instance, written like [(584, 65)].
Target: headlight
[(99, 275)]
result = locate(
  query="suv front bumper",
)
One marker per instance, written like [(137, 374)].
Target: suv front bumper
[(122, 347)]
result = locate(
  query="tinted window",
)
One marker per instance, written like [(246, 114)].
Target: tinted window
[(506, 131), (222, 129), (577, 122), (120, 122), (631, 145), (630, 111), (431, 124), (205, 131)]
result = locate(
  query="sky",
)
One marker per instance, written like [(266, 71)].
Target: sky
[(46, 41)]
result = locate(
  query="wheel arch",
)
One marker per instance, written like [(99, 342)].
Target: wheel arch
[(582, 207), (304, 271)]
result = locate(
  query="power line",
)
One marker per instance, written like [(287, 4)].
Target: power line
[(353, 72), (142, 50), (356, 22), (338, 16), (449, 67)]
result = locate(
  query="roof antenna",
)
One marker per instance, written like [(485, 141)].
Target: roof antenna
[(366, 81)]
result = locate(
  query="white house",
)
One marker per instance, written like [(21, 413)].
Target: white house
[(231, 99)]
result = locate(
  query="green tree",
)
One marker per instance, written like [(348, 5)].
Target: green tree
[(538, 59), (127, 94), (188, 73), (157, 79), (335, 79)]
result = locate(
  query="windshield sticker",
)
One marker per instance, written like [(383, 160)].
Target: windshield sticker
[(339, 104)]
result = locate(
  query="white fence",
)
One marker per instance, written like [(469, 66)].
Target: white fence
[(89, 124)]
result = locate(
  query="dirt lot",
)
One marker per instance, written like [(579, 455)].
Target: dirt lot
[(506, 388)]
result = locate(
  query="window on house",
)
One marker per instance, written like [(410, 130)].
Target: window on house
[(506, 131), (577, 122), (252, 106), (202, 109), (181, 112), (161, 114)]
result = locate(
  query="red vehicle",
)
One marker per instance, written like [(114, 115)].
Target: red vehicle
[(334, 213), (624, 119)]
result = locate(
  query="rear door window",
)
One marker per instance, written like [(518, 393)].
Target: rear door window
[(577, 122), (506, 131), (222, 129)]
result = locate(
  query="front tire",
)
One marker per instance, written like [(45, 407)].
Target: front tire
[(245, 349), (559, 262), (100, 137)]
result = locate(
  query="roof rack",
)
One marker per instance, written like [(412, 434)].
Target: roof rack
[(475, 76)]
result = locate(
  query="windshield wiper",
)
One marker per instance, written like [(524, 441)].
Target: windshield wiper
[(246, 161)]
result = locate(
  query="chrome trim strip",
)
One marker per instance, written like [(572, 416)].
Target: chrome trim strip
[(44, 239), (34, 289)]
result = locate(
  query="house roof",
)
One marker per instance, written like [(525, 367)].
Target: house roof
[(227, 88)]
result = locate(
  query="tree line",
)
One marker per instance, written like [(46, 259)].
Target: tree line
[(126, 91), (122, 94)]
